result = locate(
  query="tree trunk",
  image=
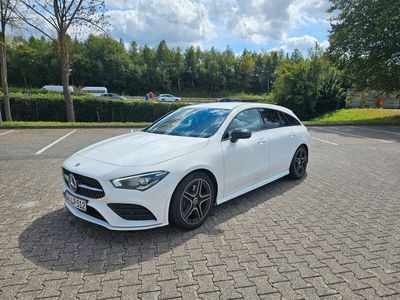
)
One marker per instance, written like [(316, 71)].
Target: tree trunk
[(64, 57), (4, 83)]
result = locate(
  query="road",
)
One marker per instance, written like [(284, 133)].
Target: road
[(335, 234)]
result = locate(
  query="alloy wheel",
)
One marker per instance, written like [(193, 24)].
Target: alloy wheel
[(195, 201), (300, 161)]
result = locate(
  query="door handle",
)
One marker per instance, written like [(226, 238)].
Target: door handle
[(292, 134), (262, 141)]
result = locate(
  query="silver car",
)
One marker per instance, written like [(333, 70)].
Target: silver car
[(168, 98)]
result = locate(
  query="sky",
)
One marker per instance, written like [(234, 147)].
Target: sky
[(242, 24)]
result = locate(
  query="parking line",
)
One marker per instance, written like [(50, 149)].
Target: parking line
[(314, 138), (356, 135), (7, 132), (55, 142), (376, 130)]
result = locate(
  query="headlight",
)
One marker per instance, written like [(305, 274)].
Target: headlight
[(139, 182)]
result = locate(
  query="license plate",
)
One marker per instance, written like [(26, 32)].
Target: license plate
[(78, 203)]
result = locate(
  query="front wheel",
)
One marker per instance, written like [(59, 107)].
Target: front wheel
[(192, 201), (299, 163)]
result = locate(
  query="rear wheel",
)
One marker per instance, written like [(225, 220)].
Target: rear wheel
[(192, 201), (299, 163)]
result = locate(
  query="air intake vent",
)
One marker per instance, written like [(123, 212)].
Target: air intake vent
[(132, 212)]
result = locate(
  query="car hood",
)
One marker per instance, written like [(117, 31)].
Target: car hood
[(142, 149)]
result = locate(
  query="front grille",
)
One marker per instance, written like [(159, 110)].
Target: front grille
[(132, 212), (86, 186)]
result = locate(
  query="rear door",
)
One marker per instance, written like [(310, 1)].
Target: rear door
[(295, 131), (280, 141)]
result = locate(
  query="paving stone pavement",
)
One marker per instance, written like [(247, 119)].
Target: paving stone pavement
[(335, 234)]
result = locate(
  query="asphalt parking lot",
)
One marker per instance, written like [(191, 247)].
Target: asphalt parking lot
[(335, 234)]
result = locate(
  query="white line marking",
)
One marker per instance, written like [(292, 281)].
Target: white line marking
[(376, 130), (356, 135), (314, 138), (7, 132), (55, 142), (131, 130)]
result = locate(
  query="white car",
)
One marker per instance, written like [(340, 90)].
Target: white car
[(95, 90), (168, 98), (178, 168)]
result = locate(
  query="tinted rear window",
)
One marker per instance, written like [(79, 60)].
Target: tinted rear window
[(289, 120)]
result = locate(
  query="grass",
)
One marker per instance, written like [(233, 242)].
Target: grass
[(359, 116), (25, 124), (266, 98)]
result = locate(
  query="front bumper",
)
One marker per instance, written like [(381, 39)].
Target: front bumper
[(156, 200)]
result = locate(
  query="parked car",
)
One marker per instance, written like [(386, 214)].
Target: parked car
[(168, 98), (95, 90), (176, 170), (56, 88), (112, 96)]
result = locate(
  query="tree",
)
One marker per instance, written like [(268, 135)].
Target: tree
[(33, 62), (365, 41), (61, 16), (247, 67), (6, 17), (309, 87), (192, 61)]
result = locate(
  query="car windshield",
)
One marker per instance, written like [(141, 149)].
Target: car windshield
[(193, 122)]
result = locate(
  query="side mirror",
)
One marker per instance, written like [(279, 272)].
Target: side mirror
[(240, 133)]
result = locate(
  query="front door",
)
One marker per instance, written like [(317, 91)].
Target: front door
[(245, 159)]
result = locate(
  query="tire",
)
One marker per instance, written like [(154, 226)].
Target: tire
[(192, 201), (299, 163)]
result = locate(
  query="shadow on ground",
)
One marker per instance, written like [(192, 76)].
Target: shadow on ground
[(59, 241)]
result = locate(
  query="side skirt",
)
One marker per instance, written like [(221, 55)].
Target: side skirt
[(252, 187)]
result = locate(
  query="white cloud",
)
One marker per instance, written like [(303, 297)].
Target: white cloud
[(262, 20), (287, 23), (302, 43), (304, 12), (179, 22)]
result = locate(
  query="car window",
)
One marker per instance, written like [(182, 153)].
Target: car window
[(289, 120), (271, 118), (193, 122), (249, 119)]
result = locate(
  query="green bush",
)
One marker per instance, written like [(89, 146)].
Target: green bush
[(309, 87), (51, 107)]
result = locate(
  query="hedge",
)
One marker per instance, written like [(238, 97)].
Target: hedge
[(51, 107)]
